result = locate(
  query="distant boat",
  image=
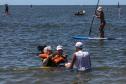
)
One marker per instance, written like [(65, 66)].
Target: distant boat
[(80, 13)]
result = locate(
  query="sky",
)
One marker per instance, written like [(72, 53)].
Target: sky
[(62, 2)]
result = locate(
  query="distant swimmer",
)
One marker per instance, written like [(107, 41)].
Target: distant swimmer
[(6, 9), (100, 15)]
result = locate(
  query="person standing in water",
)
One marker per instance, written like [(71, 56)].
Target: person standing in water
[(100, 14), (80, 60), (6, 9)]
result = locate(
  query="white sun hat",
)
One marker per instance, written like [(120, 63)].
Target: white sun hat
[(47, 48)]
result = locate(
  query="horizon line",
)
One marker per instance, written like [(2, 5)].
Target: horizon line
[(62, 5)]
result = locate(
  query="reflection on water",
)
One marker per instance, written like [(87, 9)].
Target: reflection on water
[(26, 28)]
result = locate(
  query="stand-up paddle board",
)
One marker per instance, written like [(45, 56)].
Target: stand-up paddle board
[(93, 38)]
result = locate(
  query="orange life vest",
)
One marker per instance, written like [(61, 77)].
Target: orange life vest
[(57, 59), (43, 56)]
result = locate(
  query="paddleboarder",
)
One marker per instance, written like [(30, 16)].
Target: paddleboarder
[(100, 14)]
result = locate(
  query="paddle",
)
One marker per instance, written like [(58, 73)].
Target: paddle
[(93, 19)]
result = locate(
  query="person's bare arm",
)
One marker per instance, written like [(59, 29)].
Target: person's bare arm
[(73, 61)]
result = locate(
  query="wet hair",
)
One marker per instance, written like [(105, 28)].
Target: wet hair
[(41, 48)]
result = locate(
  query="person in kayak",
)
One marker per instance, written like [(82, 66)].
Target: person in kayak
[(100, 14), (80, 60)]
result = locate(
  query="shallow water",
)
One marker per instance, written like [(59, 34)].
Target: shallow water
[(26, 28)]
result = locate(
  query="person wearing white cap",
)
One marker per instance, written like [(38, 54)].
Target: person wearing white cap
[(47, 49), (100, 14), (81, 59), (46, 56), (59, 47), (59, 56)]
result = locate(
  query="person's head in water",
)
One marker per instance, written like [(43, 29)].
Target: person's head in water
[(59, 49), (79, 46), (41, 48), (48, 50)]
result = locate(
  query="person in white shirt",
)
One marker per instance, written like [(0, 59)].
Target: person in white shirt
[(81, 59)]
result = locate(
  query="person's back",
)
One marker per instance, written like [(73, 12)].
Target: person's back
[(82, 60)]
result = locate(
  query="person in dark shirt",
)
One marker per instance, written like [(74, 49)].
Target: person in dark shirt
[(6, 9)]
